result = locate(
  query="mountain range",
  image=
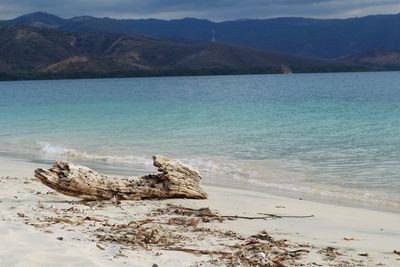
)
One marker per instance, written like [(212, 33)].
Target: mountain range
[(45, 45), (325, 38), (44, 53)]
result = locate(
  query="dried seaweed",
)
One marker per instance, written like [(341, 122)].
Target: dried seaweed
[(330, 253), (205, 214), (200, 251), (137, 234), (177, 228), (256, 250), (183, 221), (73, 222)]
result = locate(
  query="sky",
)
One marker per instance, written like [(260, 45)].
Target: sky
[(216, 10)]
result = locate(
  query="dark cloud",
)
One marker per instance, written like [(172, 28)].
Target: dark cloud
[(210, 9)]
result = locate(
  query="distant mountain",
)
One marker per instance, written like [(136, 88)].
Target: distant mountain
[(37, 19), (325, 38), (42, 52), (377, 58)]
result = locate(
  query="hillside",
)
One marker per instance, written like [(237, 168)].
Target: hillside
[(324, 38), (43, 52), (380, 59)]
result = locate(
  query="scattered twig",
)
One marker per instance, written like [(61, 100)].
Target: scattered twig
[(200, 251), (207, 213), (234, 217), (286, 216), (140, 223), (100, 247), (299, 251)]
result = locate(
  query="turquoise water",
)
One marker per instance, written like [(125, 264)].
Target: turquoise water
[(334, 137)]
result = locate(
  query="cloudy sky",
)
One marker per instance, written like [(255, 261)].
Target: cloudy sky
[(210, 9)]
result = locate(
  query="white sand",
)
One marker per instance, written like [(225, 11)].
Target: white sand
[(374, 232)]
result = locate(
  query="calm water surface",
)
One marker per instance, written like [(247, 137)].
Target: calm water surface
[(335, 137)]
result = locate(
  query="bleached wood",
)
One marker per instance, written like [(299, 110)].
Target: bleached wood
[(173, 180)]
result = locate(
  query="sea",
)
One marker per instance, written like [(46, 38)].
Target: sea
[(325, 137)]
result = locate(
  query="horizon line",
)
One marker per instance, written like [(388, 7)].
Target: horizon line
[(198, 18)]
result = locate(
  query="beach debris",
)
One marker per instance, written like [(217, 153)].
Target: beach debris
[(169, 227), (200, 251), (64, 220), (99, 246), (60, 238), (183, 221), (257, 250), (72, 222), (173, 180), (363, 254), (349, 238), (330, 253), (207, 215), (286, 216), (138, 235), (396, 252), (91, 218)]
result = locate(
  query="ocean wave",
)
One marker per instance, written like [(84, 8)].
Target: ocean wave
[(50, 151), (53, 152), (220, 168)]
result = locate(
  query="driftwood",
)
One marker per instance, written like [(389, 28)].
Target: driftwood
[(173, 180)]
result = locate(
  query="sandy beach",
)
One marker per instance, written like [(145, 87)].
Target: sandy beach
[(199, 133), (40, 227)]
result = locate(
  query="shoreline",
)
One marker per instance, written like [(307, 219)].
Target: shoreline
[(257, 187), (7, 77), (30, 78), (354, 231)]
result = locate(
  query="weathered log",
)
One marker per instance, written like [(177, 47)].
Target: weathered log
[(173, 180)]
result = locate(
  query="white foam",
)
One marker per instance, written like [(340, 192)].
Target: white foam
[(217, 168), (53, 152), (49, 151)]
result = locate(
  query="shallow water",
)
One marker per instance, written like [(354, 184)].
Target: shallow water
[(334, 137)]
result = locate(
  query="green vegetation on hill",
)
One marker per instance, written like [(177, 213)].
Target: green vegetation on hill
[(41, 53)]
